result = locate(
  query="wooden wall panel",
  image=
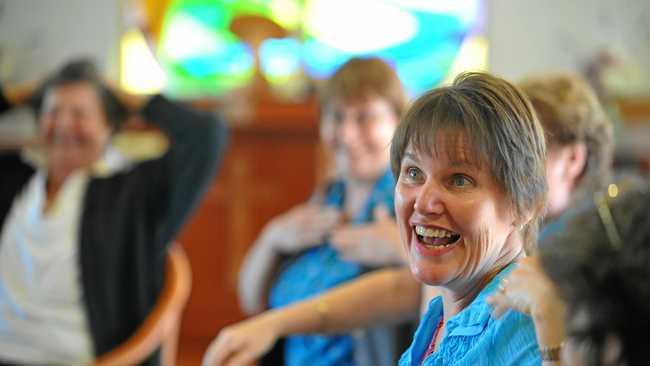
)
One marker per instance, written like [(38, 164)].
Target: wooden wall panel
[(268, 168)]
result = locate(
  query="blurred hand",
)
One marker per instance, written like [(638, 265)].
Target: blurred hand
[(20, 94), (304, 226), (528, 289), (376, 243), (243, 343)]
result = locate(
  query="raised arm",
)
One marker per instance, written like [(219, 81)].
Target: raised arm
[(15, 95), (10, 97), (179, 178), (383, 295)]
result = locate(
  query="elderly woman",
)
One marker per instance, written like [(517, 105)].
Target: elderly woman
[(84, 230), (345, 230)]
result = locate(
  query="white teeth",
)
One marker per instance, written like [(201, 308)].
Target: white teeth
[(438, 233)]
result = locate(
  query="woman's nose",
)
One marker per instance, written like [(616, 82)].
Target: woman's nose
[(348, 131), (429, 200), (62, 121)]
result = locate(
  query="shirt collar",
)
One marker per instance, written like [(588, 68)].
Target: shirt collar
[(473, 319)]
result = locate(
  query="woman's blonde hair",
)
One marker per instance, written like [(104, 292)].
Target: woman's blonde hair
[(570, 112), (362, 78)]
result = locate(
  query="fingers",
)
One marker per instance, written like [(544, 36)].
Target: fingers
[(348, 236), (511, 293), (499, 303), (220, 349), (352, 243), (381, 213), (302, 227), (242, 358), (229, 350)]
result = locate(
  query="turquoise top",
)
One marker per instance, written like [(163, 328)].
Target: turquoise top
[(473, 337)]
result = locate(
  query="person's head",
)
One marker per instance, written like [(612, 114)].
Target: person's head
[(77, 114), (469, 163), (361, 105), (605, 281), (578, 136)]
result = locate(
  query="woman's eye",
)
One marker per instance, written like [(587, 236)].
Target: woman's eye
[(461, 181), (413, 173)]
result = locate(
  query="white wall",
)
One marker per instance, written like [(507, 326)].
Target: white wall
[(538, 35), (38, 36)]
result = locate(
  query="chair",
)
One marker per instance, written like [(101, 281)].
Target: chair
[(161, 327)]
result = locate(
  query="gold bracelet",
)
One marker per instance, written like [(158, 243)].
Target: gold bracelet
[(322, 308), (551, 354)]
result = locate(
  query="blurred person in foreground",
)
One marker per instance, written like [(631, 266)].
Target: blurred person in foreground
[(590, 287), (85, 230)]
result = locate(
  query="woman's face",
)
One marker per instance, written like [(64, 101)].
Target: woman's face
[(454, 219), (73, 126), (564, 167), (359, 134)]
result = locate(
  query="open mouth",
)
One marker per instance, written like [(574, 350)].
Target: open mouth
[(439, 238)]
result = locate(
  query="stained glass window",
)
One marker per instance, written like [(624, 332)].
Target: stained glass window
[(427, 41)]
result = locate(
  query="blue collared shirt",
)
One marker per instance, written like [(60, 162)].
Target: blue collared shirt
[(473, 337), (319, 269)]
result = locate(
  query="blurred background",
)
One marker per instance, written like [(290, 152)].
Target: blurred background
[(259, 62)]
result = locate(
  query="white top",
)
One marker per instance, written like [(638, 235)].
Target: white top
[(42, 319), (42, 314)]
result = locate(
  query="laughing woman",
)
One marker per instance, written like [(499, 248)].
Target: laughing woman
[(469, 161)]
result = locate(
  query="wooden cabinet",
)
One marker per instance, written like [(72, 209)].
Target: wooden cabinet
[(272, 163)]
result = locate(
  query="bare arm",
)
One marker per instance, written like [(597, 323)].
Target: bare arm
[(383, 294), (388, 294), (302, 227), (256, 274)]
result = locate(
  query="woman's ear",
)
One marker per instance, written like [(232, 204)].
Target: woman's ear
[(577, 161)]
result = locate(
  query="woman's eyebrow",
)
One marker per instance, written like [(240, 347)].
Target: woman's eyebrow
[(411, 156)]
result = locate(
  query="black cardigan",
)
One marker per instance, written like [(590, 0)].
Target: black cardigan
[(131, 217)]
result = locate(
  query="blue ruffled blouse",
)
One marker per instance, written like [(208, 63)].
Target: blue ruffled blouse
[(473, 337)]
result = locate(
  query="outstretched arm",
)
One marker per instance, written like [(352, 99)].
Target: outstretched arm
[(377, 296)]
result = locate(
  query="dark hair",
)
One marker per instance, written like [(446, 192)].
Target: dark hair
[(84, 71), (606, 285), (502, 129)]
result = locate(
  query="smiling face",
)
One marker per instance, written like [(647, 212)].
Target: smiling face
[(74, 127), (455, 221), (360, 134)]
